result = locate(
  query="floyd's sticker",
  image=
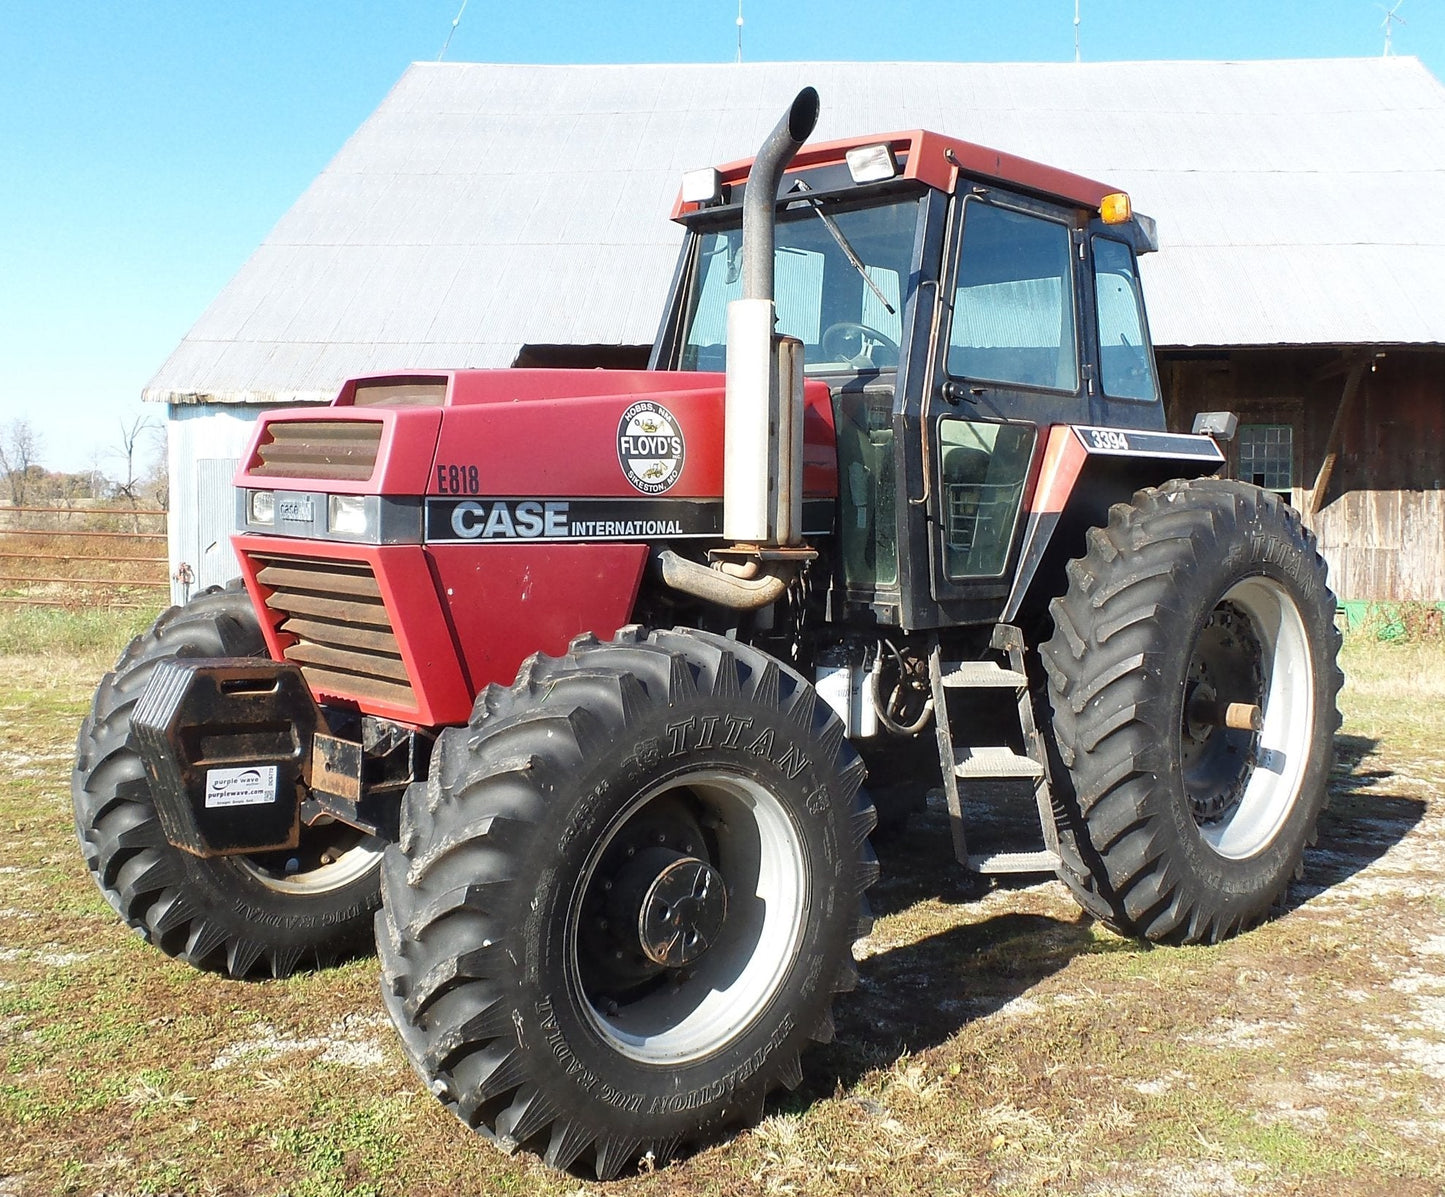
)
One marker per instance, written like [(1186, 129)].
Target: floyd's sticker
[(650, 447)]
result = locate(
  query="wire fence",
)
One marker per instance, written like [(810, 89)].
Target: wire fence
[(111, 555)]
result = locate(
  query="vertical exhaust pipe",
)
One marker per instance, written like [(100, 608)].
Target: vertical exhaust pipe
[(763, 462)]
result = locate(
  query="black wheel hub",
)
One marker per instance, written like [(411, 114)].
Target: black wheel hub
[(653, 905), (676, 903), (1225, 667)]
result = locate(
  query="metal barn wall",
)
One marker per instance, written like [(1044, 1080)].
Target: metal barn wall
[(204, 444), (1381, 525)]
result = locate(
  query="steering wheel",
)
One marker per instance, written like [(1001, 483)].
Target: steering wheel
[(836, 337)]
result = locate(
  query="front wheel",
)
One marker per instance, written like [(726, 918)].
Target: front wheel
[(272, 912), (1193, 683), (623, 900)]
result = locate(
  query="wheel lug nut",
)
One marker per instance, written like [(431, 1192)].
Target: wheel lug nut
[(632, 852), (661, 838), (602, 924), (606, 885)]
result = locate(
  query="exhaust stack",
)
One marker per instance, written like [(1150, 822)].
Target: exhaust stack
[(763, 462)]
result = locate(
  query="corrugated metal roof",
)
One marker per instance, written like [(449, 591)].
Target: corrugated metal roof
[(481, 207)]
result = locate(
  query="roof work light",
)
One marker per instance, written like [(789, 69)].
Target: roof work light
[(1116, 208), (701, 186), (871, 163)]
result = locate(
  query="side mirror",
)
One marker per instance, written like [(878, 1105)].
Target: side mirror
[(1221, 425)]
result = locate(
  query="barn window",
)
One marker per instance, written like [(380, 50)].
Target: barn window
[(1266, 455)]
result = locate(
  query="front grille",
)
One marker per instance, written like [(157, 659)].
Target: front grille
[(344, 641), (330, 449)]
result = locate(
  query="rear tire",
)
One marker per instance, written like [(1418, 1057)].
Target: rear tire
[(273, 912), (527, 957), (1197, 595)]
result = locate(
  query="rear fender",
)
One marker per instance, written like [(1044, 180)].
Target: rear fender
[(1085, 471)]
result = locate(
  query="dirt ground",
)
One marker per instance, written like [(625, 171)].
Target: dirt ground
[(998, 1042)]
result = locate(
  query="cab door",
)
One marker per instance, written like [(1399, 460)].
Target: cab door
[(1008, 364)]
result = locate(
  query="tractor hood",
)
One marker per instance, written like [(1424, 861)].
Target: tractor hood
[(621, 434)]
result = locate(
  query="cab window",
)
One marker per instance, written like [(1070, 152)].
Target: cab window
[(849, 320), (1013, 304), (1126, 364), (984, 466)]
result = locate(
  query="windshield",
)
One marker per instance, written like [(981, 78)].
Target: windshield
[(846, 321)]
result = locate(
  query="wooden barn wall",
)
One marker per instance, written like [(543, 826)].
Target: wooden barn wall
[(1381, 526)]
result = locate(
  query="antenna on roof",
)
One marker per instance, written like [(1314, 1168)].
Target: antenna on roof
[(1391, 18), (740, 30), (1077, 58), (456, 21)]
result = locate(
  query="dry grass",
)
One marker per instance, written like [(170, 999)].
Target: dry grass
[(83, 557), (997, 1043)]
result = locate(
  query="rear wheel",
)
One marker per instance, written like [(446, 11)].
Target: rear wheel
[(1193, 682), (623, 900), (271, 912)]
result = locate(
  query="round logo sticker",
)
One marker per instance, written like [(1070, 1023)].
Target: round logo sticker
[(650, 447)]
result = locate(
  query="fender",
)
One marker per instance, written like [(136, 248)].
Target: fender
[(1113, 463)]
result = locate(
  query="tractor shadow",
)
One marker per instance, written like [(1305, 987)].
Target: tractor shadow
[(918, 995), (1366, 817)]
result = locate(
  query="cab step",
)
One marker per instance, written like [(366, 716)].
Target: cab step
[(1014, 862), (974, 766), (969, 675), (989, 761)]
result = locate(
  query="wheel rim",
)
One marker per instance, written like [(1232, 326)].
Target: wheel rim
[(716, 822), (1243, 781), (329, 856)]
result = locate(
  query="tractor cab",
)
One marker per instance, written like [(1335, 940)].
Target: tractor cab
[(959, 303)]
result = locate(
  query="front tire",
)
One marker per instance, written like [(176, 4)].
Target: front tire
[(271, 912), (1202, 608), (623, 900)]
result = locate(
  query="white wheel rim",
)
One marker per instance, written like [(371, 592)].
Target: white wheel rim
[(760, 855), (349, 865), (1281, 754)]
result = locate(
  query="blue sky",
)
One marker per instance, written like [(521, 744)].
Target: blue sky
[(146, 148)]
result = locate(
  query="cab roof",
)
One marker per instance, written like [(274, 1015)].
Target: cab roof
[(935, 160)]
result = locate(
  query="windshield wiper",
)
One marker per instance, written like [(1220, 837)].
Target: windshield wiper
[(832, 226)]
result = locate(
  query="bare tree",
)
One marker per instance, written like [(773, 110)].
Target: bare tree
[(130, 443), (19, 454)]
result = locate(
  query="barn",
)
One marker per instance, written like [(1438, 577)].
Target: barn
[(491, 215)]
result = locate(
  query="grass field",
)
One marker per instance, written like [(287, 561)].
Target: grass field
[(998, 1042)]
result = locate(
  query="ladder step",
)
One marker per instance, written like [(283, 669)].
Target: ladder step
[(996, 762), (968, 675), (1015, 862)]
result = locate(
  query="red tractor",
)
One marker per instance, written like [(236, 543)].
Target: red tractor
[(566, 680)]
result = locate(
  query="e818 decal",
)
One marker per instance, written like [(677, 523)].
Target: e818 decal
[(458, 480)]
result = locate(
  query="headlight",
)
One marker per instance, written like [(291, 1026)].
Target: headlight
[(346, 514), (261, 507)]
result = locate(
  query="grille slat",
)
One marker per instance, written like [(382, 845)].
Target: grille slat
[(351, 685), (361, 584), (332, 449), (351, 635), (344, 640), (333, 609), (305, 653)]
